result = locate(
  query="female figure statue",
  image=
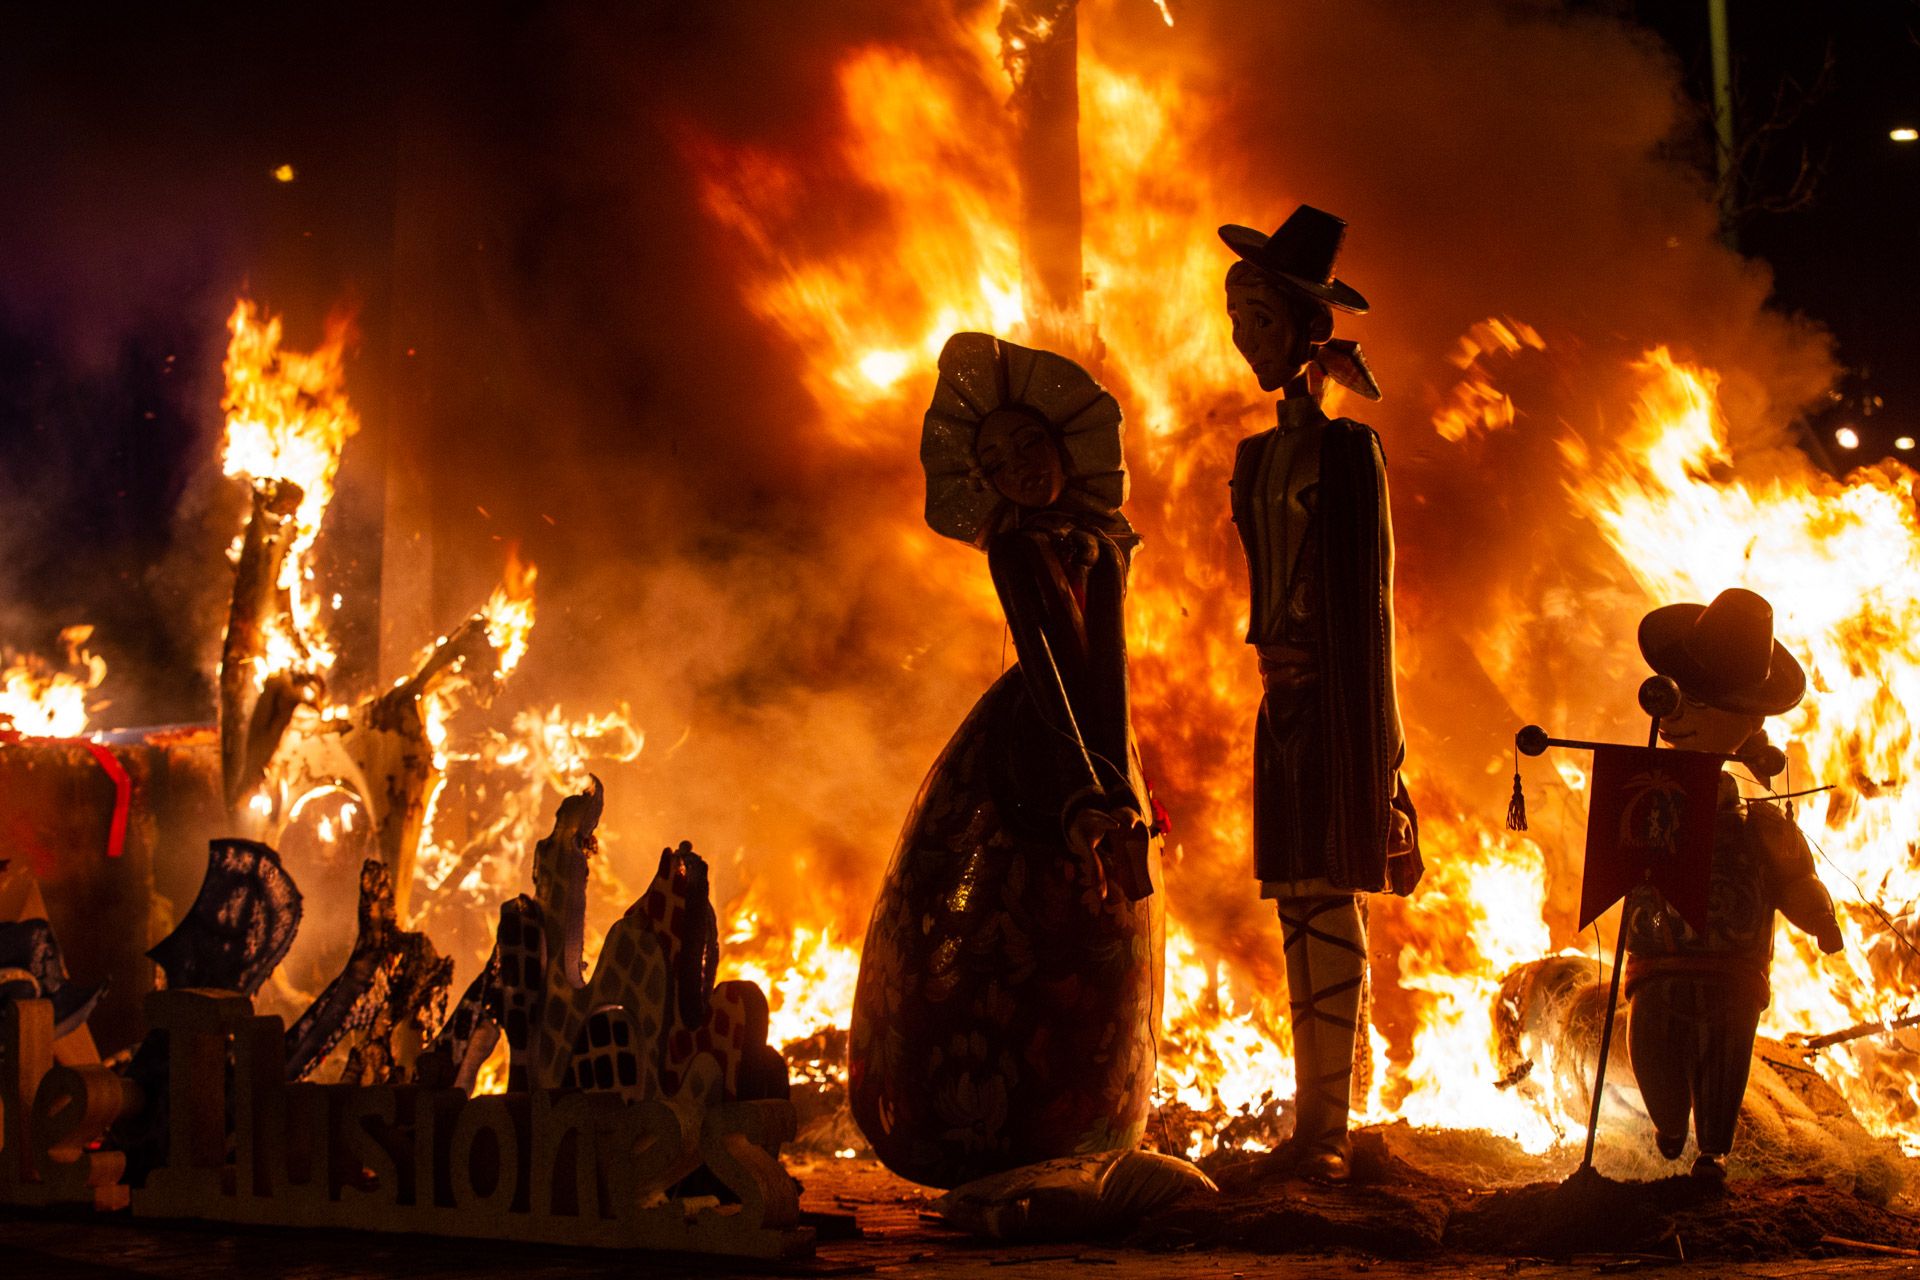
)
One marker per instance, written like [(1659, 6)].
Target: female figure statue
[(1009, 985)]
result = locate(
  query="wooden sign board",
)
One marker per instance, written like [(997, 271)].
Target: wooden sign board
[(554, 1166)]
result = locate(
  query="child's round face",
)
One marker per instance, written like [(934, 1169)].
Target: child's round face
[(1699, 727)]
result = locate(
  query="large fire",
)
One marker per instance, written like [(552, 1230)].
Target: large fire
[(1684, 515), (1838, 560), (1841, 562)]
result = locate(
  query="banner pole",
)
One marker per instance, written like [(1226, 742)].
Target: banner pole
[(1613, 1003)]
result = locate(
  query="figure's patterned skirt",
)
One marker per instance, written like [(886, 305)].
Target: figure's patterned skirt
[(1004, 1013)]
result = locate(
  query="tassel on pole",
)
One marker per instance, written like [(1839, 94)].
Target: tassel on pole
[(1517, 806)]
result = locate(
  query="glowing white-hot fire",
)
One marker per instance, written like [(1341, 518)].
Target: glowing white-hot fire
[(807, 973), (40, 699), (1840, 562), (1222, 1048), (1490, 888)]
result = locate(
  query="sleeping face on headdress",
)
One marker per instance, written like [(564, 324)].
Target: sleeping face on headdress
[(1017, 455)]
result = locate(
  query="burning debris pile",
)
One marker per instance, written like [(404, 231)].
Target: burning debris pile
[(645, 1054)]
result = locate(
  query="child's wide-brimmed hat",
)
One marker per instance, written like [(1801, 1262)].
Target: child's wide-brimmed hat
[(981, 376), (1724, 653), (1300, 255)]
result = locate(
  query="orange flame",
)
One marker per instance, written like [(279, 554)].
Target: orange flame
[(40, 700), (1840, 562), (288, 419), (509, 612)]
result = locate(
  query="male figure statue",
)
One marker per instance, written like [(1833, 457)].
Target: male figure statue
[(1331, 820), (1697, 996)]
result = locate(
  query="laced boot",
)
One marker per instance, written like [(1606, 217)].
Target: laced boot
[(1326, 956)]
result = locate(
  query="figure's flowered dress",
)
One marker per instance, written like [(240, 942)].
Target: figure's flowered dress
[(1006, 1008)]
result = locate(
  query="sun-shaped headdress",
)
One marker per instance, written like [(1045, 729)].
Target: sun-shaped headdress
[(982, 377)]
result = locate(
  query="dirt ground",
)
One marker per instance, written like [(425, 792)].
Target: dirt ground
[(896, 1238)]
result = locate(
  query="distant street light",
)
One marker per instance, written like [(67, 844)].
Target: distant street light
[(1847, 438), (1903, 443), (1904, 134)]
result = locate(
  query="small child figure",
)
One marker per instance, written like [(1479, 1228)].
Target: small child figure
[(1696, 999)]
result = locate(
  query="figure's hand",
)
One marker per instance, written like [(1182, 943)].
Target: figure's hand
[(1088, 829), (1829, 938), (1399, 834), (1128, 854)]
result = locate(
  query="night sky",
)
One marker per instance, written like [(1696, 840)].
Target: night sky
[(1850, 256)]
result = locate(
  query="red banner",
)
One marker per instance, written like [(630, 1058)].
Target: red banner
[(109, 765), (1651, 816)]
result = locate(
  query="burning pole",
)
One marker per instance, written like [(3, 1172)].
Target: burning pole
[(255, 710), (1039, 45), (287, 420)]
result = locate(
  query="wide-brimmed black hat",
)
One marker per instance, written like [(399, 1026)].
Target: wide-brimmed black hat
[(1300, 255), (1724, 653)]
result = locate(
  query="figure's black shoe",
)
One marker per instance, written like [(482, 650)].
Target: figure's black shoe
[(1670, 1146), (1323, 1160), (1709, 1172)]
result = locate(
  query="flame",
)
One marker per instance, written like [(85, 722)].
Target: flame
[(873, 338), (1475, 406), (1687, 515), (40, 700), (1840, 562), (1225, 1046), (288, 419), (1489, 889), (807, 972), (914, 131), (509, 613)]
